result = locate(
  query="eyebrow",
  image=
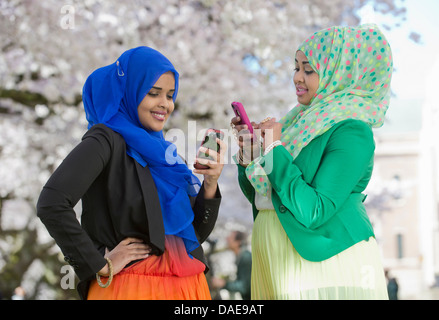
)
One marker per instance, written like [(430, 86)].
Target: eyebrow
[(303, 62), (158, 88)]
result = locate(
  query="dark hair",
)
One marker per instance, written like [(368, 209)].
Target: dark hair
[(241, 237)]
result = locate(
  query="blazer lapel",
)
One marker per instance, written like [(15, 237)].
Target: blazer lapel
[(152, 205)]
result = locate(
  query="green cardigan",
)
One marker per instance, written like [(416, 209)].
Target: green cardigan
[(317, 196)]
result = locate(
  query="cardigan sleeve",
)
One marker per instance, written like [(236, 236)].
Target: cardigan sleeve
[(345, 161), (61, 193)]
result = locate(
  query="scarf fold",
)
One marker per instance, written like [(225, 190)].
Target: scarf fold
[(355, 67), (111, 95)]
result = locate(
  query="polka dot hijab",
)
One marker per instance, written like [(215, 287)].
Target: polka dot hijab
[(355, 67)]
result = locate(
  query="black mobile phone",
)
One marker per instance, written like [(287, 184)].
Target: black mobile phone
[(209, 142)]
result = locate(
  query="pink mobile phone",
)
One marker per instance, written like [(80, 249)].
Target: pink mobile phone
[(239, 110)]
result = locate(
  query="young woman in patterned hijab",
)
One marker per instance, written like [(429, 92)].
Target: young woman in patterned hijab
[(312, 238)]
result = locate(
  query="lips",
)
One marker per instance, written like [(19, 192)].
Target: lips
[(158, 115), (300, 91)]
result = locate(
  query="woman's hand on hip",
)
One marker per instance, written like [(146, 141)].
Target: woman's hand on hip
[(129, 249)]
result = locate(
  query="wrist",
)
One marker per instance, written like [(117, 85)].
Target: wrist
[(272, 146), (105, 271), (109, 267), (210, 188), (210, 183), (246, 156)]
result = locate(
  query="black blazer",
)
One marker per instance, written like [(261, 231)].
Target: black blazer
[(119, 200)]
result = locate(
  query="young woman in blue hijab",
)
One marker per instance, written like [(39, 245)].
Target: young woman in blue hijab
[(144, 212)]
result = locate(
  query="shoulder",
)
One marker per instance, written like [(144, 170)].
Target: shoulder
[(246, 254), (353, 125), (352, 134), (352, 129), (104, 135)]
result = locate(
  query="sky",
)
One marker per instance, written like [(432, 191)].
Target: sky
[(413, 62)]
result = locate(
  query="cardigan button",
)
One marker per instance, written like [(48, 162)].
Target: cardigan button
[(282, 209)]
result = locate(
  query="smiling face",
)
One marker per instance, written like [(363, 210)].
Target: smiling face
[(158, 104), (305, 79)]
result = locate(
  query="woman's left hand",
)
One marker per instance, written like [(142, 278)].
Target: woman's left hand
[(215, 167), (270, 131)]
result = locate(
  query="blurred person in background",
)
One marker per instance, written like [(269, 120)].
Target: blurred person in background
[(237, 242), (312, 238), (145, 214), (392, 286)]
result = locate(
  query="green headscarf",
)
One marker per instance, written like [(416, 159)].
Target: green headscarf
[(355, 67)]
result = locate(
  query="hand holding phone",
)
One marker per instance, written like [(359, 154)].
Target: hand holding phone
[(239, 110), (209, 142), (249, 143)]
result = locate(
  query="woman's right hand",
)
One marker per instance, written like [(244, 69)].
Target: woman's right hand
[(248, 143), (129, 249)]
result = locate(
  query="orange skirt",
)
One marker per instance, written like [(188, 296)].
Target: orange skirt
[(171, 276)]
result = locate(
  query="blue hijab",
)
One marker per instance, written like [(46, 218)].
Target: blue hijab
[(111, 96)]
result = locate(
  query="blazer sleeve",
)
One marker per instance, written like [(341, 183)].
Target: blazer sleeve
[(205, 213), (346, 159), (247, 189), (245, 185), (62, 192)]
